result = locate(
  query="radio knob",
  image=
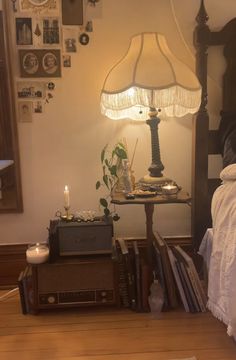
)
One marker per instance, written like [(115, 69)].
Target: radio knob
[(51, 299)]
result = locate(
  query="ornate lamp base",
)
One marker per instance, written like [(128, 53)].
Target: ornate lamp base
[(148, 180)]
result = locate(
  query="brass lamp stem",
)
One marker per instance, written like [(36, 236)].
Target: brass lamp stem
[(156, 167)]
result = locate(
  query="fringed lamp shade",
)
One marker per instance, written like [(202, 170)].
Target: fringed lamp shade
[(149, 79), (149, 75)]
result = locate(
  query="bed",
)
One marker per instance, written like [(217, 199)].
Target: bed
[(214, 203)]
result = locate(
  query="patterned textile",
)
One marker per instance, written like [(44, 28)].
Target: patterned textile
[(222, 270)]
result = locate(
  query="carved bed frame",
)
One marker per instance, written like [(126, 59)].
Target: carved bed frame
[(205, 141)]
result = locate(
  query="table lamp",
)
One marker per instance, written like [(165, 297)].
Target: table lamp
[(149, 79)]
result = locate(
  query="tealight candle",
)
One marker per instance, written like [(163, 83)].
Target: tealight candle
[(37, 254), (66, 197), (169, 189)]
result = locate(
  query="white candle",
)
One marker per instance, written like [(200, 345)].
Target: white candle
[(37, 254), (169, 189), (66, 197)]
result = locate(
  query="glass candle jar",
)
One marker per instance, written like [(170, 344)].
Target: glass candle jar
[(37, 253)]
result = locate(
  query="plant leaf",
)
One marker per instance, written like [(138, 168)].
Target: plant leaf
[(103, 202), (107, 212), (98, 184), (113, 170), (121, 153), (103, 153)]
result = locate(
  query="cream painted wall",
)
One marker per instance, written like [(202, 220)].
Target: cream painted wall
[(63, 145)]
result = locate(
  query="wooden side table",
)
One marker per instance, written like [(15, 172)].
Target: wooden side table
[(181, 197)]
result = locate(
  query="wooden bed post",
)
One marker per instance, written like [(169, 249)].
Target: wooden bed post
[(200, 203)]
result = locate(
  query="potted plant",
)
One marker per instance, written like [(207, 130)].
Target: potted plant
[(112, 171)]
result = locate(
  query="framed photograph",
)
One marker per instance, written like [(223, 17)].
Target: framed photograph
[(72, 12), (38, 107), (70, 36), (38, 5), (24, 31), (40, 63), (25, 111), (66, 60), (30, 90)]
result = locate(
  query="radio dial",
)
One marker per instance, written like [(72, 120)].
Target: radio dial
[(51, 299)]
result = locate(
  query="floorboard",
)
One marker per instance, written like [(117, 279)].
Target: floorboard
[(110, 334)]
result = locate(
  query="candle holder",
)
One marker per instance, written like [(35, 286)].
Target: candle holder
[(37, 253), (67, 216), (170, 189)]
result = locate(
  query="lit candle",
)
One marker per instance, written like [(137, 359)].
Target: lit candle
[(169, 189), (37, 254), (66, 197)]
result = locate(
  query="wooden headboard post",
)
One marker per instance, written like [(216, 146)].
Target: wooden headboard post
[(207, 142), (200, 133)]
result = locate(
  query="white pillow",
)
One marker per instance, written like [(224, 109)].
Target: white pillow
[(228, 173)]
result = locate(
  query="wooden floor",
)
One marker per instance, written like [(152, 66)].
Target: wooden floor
[(110, 334)]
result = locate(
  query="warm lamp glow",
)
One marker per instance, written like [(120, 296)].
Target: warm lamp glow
[(149, 75)]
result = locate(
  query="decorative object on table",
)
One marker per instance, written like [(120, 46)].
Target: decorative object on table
[(147, 80), (40, 63), (112, 171), (37, 253), (170, 189), (72, 12)]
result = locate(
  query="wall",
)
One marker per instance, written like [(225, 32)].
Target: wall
[(63, 145)]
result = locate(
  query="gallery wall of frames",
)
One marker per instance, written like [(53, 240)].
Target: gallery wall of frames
[(47, 34)]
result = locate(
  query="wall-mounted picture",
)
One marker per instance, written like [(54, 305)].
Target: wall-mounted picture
[(30, 90), (40, 63), (25, 111), (38, 5), (38, 107), (70, 36), (66, 60), (24, 31), (51, 33), (72, 12)]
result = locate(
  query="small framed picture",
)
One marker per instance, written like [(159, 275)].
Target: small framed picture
[(66, 60), (30, 89), (24, 31), (70, 36), (25, 111), (38, 107), (40, 63)]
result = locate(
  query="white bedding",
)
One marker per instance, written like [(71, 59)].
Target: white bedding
[(222, 266)]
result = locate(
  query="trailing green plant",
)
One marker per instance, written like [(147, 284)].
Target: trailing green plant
[(111, 165)]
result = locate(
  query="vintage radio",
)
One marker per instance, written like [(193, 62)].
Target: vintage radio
[(72, 282), (80, 238)]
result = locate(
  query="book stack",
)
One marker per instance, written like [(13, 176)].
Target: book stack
[(172, 267), (177, 274), (133, 274), (26, 291)]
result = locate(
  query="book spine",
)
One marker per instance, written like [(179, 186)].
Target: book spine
[(123, 289), (21, 293), (201, 296), (137, 277), (173, 261)]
